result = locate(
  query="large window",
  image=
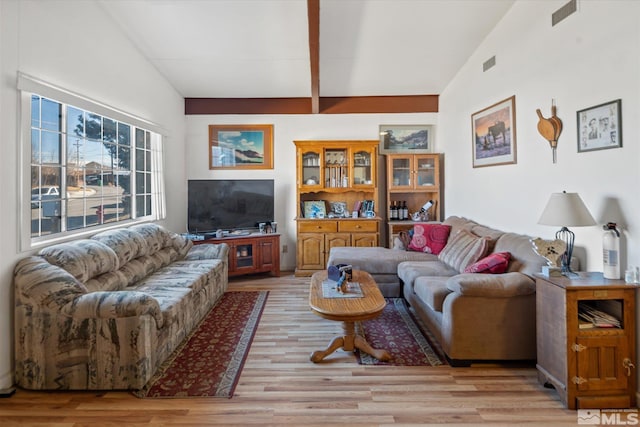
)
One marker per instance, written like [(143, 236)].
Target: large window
[(88, 169)]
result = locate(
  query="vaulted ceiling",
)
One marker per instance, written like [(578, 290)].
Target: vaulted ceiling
[(307, 49)]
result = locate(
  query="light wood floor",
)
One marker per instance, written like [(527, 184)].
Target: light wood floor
[(280, 386)]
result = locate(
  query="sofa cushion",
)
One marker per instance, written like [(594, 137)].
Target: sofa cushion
[(432, 291), (175, 286), (429, 238), (409, 271), (156, 236), (181, 244), (496, 263), (523, 256), (110, 281), (489, 285), (84, 259), (127, 244), (374, 260), (464, 249)]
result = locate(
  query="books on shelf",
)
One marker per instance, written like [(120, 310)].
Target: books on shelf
[(590, 317)]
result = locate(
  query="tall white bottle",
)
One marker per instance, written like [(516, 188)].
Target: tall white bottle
[(611, 251)]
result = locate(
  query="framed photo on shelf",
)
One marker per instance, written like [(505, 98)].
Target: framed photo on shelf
[(600, 127), (493, 131), (314, 209), (240, 146), (411, 139)]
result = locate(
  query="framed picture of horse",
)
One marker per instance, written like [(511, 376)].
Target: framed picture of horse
[(493, 132)]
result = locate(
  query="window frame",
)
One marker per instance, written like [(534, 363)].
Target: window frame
[(28, 86)]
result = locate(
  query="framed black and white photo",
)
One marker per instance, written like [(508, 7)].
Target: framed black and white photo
[(600, 127), (406, 139)]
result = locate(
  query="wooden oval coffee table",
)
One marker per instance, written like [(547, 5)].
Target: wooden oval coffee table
[(348, 311)]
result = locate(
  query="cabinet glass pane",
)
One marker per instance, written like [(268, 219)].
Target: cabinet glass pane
[(336, 168), (244, 256), (362, 167), (425, 171), (310, 168), (401, 172)]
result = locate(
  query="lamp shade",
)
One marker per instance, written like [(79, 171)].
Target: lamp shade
[(566, 210)]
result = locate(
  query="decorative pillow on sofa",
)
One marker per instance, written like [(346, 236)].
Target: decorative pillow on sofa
[(464, 249), (429, 238), (495, 263)]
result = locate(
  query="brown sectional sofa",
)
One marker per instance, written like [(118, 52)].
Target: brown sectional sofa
[(474, 316)]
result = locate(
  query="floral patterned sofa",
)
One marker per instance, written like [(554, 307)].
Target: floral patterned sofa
[(105, 312)]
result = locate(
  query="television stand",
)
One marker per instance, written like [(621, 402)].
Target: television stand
[(251, 253)]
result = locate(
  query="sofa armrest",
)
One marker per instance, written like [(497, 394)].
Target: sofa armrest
[(39, 283), (208, 251), (106, 305), (492, 285)]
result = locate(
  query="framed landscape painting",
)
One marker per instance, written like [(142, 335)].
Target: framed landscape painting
[(409, 139), (494, 134), (240, 146)]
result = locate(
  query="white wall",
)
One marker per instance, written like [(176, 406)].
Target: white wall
[(286, 129), (76, 46), (590, 58)]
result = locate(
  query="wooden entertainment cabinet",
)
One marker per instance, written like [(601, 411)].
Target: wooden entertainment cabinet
[(250, 254)]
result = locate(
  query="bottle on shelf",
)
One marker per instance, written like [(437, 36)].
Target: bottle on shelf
[(405, 211), (394, 210)]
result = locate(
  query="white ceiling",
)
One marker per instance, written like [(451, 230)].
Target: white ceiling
[(260, 48)]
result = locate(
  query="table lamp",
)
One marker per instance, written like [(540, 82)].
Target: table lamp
[(566, 210)]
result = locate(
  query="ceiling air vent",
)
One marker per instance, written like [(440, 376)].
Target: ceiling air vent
[(489, 63), (564, 12)]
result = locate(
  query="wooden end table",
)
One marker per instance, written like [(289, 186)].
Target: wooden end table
[(348, 311)]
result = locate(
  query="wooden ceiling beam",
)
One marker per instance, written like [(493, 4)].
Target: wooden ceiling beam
[(379, 104), (313, 13), (327, 105)]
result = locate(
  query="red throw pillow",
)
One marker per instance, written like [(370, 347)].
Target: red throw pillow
[(495, 263), (429, 238)]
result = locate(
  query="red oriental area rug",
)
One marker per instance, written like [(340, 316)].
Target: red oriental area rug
[(399, 332), (209, 361)]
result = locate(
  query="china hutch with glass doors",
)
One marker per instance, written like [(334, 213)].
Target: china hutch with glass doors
[(337, 199), (413, 180)]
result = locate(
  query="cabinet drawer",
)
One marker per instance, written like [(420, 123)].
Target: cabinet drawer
[(358, 226), (317, 226)]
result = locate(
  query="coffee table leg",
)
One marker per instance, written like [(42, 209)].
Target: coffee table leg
[(362, 345), (349, 342), (335, 344)]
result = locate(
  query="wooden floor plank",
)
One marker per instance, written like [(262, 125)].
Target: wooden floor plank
[(280, 386)]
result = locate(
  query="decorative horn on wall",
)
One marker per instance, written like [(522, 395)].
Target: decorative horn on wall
[(550, 128)]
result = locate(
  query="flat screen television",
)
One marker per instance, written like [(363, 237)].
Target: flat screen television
[(229, 204)]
